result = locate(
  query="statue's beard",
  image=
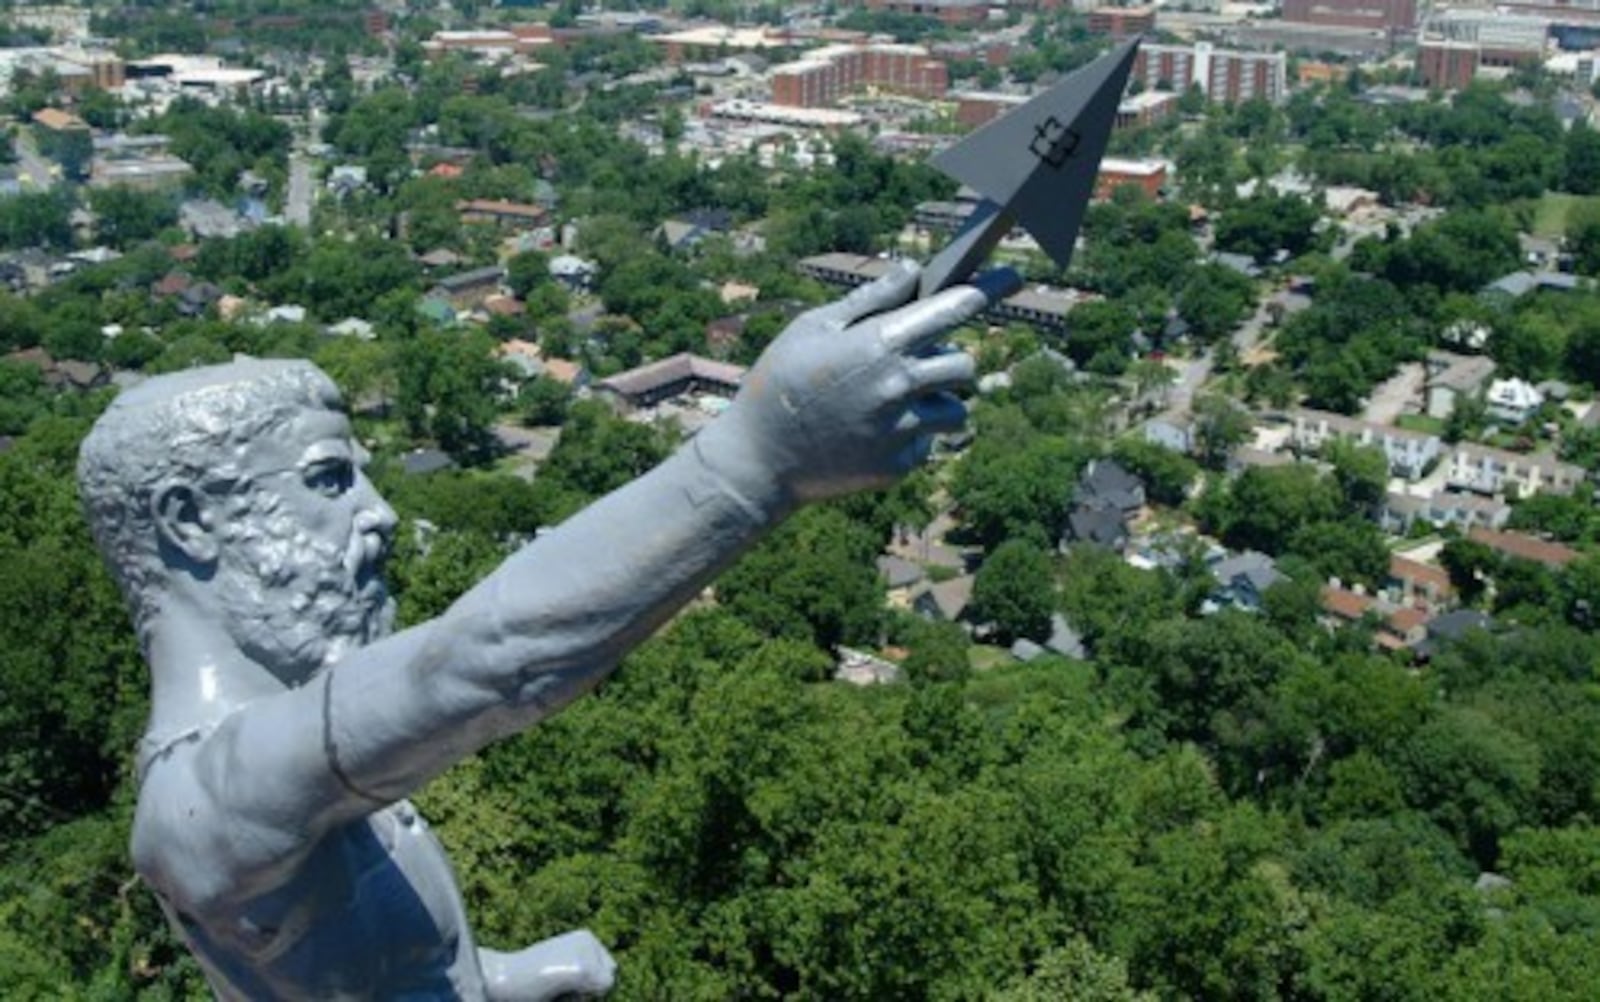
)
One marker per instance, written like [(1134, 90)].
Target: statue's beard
[(296, 604)]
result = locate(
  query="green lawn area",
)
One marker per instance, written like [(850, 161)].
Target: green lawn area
[(1551, 211), (1421, 422), (983, 657)]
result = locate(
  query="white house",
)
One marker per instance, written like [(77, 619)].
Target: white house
[(1513, 400), (1408, 452)]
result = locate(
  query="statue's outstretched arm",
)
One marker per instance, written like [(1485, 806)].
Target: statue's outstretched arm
[(847, 398)]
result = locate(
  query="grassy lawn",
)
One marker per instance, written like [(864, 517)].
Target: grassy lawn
[(1551, 211), (1421, 422), (983, 657)]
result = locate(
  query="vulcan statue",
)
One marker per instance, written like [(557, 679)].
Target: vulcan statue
[(288, 724)]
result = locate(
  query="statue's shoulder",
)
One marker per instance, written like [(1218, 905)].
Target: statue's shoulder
[(181, 836)]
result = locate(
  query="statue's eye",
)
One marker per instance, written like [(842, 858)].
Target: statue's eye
[(331, 477)]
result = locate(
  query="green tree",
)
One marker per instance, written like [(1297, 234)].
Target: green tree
[(1214, 301), (1015, 591), (1219, 426), (1262, 225), (1167, 475), (544, 401), (124, 217), (526, 272), (1362, 473), (812, 580), (447, 387)]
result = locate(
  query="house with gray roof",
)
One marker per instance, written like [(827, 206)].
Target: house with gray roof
[(674, 376), (898, 572), (466, 290), (1520, 283), (1105, 497), (1452, 377), (1451, 627), (1242, 580), (945, 601)]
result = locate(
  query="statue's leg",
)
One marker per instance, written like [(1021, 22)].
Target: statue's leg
[(570, 964)]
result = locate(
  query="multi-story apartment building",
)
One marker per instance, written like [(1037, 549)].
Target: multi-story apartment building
[(1122, 22), (1409, 452), (951, 12), (1394, 15), (829, 73), (1223, 75)]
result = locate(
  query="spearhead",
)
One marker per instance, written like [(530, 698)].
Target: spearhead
[(1035, 167)]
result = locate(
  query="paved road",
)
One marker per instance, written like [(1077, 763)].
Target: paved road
[(1193, 373), (302, 193), (34, 167), (297, 205)]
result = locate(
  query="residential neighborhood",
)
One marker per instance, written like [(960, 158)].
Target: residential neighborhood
[(1241, 643)]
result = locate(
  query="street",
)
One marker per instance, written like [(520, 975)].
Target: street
[(297, 204), (38, 171)]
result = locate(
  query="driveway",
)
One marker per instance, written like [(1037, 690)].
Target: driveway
[(1396, 395)]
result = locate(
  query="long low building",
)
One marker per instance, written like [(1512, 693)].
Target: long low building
[(674, 376), (741, 110), (1487, 470), (1409, 453), (1041, 305)]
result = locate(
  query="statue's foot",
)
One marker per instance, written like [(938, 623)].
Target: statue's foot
[(574, 963)]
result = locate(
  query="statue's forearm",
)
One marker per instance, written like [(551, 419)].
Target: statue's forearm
[(552, 621)]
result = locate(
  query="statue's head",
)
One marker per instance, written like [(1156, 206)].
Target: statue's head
[(237, 488)]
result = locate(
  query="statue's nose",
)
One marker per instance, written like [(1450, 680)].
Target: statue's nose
[(375, 514)]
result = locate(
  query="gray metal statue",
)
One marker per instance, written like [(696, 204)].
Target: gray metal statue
[(288, 724)]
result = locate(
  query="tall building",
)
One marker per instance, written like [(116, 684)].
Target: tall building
[(1224, 75), (828, 74), (1448, 65), (1393, 15), (1122, 22), (1455, 44), (951, 12)]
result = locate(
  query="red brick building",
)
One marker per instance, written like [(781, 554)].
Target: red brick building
[(828, 74), (1448, 65), (1149, 175), (1121, 22), (956, 13), (975, 108), (1391, 15)]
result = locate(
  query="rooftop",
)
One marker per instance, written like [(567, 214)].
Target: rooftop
[(654, 375), (1524, 546)]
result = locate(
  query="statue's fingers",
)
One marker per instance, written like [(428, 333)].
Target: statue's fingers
[(940, 373), (894, 288), (913, 327), (936, 413)]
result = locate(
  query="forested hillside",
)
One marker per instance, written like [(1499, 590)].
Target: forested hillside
[(1229, 806)]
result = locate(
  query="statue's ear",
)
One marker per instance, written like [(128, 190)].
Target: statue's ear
[(184, 523)]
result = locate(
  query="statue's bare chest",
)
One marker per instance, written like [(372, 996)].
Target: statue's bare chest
[(374, 912)]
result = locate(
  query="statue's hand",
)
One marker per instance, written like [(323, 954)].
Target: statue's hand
[(849, 397), (572, 964)]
